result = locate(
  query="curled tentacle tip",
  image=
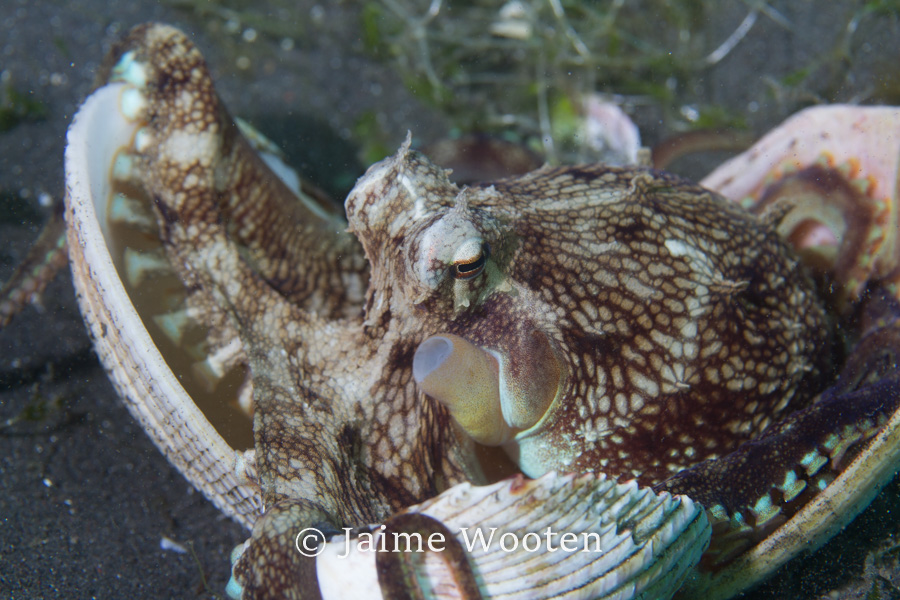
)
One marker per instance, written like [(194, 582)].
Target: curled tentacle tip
[(465, 379)]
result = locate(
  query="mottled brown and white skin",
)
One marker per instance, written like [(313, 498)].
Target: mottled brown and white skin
[(595, 319)]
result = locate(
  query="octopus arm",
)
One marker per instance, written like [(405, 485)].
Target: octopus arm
[(807, 451)]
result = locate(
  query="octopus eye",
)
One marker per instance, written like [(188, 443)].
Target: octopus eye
[(470, 259)]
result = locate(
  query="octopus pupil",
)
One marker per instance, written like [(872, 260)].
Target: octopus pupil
[(468, 270)]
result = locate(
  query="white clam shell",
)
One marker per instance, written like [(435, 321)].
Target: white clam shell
[(647, 542), (138, 370)]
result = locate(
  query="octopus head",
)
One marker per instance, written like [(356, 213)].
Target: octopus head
[(443, 258), (590, 319)]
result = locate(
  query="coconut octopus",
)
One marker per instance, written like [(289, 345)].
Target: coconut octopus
[(735, 369)]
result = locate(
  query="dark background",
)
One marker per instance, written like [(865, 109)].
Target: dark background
[(85, 498)]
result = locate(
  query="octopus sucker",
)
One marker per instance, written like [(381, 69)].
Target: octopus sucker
[(597, 323), (809, 446)]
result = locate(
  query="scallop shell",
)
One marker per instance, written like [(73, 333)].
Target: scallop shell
[(647, 542)]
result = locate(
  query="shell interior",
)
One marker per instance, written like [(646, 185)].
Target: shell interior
[(138, 370)]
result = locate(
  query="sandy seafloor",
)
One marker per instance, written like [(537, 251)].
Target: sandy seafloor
[(85, 498)]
